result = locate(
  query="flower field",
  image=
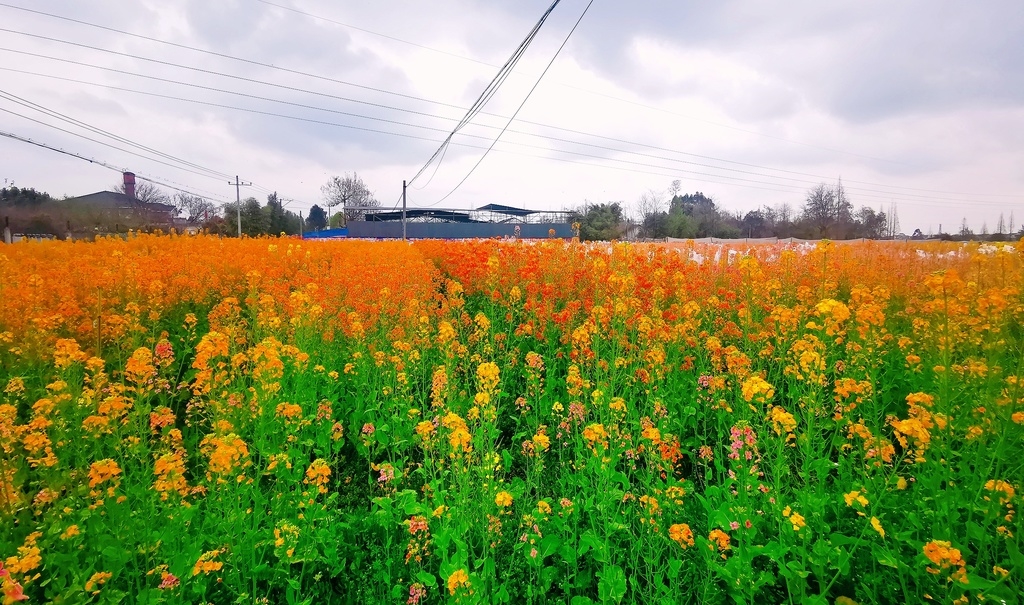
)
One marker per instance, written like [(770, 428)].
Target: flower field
[(192, 420)]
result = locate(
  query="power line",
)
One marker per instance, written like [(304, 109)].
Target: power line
[(885, 195), (16, 137), (518, 109), (52, 113), (367, 31), (490, 90), (525, 133), (267, 65), (865, 192), (81, 136), (213, 53), (584, 90), (249, 61)]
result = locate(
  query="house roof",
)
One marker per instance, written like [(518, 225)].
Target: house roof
[(113, 199), (502, 209), (445, 215)]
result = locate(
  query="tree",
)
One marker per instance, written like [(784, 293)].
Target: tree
[(965, 230), (755, 224), (317, 219), (254, 220), (195, 209), (351, 194), (600, 222), (146, 192), (276, 218), (13, 196), (651, 209), (828, 211), (871, 224)]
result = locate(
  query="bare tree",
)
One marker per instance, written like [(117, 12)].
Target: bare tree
[(196, 209), (351, 193), (146, 192), (649, 205), (828, 210)]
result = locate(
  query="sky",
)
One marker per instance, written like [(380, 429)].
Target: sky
[(915, 105)]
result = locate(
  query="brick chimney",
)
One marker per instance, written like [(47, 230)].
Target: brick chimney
[(129, 184)]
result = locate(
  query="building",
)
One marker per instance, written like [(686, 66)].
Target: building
[(126, 208), (490, 221)]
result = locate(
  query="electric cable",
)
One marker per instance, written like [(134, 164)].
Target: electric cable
[(860, 191), (525, 133), (490, 90), (16, 137), (521, 105), (55, 114)]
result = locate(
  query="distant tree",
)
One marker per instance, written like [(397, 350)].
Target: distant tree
[(681, 225), (965, 230), (14, 196), (600, 222), (317, 219), (146, 192), (828, 211), (351, 193), (755, 224), (871, 224), (195, 209), (254, 219), (651, 210), (276, 218)]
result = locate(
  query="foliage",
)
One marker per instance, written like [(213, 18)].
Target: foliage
[(317, 219), (195, 209), (827, 213), (271, 219), (14, 196), (351, 193), (202, 420), (600, 221)]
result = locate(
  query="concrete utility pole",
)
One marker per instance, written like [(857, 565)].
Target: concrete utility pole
[(7, 229), (403, 211), (238, 199), (301, 225)]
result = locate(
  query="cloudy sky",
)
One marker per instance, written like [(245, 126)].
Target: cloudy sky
[(917, 104)]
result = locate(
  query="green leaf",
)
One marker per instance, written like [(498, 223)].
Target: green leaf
[(673, 568), (888, 560), (549, 545), (612, 584), (427, 579)]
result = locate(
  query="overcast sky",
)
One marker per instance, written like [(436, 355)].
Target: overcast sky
[(914, 103)]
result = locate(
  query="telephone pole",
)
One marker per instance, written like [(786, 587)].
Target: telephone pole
[(403, 211), (238, 200)]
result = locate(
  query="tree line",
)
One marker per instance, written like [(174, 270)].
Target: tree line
[(827, 212)]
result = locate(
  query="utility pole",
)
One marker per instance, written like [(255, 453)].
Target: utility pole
[(301, 225), (238, 199), (403, 211)]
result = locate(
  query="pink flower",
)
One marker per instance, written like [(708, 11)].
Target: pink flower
[(416, 592), (369, 429), (169, 581), (533, 553), (734, 525)]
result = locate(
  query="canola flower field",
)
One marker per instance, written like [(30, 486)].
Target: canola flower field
[(202, 420)]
